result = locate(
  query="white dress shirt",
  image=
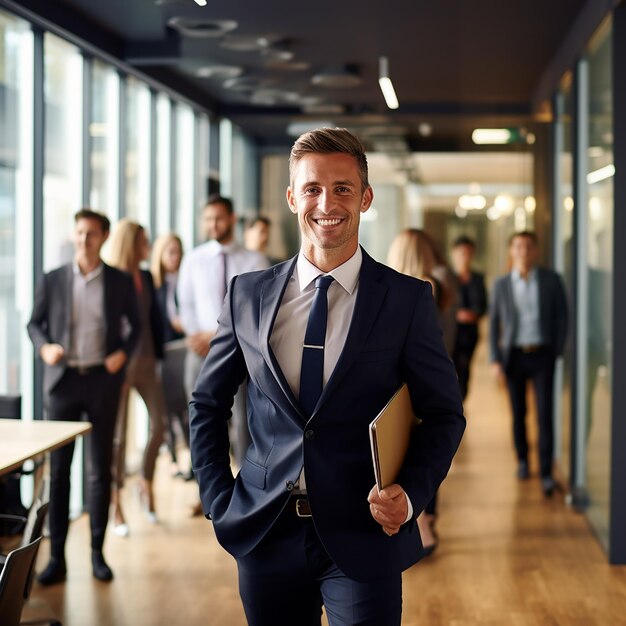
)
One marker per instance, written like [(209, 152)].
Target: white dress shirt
[(200, 282), (526, 299), (88, 323), (290, 325)]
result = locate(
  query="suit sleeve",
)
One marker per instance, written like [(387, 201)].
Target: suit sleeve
[(494, 326), (131, 312), (210, 409), (436, 400), (480, 304), (157, 322), (38, 324), (186, 298)]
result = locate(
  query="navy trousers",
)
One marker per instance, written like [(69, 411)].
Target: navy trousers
[(539, 367), (287, 578)]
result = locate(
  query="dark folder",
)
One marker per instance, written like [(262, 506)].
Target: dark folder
[(390, 432)]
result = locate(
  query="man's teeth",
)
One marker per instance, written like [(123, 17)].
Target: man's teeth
[(328, 222)]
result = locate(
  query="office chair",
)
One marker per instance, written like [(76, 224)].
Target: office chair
[(15, 582), (34, 611), (32, 526)]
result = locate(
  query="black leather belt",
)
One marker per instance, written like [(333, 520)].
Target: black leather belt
[(299, 504), (85, 371)]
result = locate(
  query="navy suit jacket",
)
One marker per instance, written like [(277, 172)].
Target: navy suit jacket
[(393, 337), (52, 311), (503, 315)]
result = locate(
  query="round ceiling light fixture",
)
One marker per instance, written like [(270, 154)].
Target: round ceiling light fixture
[(189, 27)]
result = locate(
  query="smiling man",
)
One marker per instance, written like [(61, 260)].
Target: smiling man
[(325, 340)]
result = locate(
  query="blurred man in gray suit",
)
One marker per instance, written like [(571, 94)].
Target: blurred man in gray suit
[(527, 334), (84, 325)]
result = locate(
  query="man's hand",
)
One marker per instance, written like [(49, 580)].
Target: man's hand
[(115, 361), (51, 353), (199, 343), (466, 316), (388, 507), (498, 372)]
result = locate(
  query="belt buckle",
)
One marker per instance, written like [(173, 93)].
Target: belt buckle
[(304, 503), (82, 371)]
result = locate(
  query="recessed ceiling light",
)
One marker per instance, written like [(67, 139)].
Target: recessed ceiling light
[(336, 77), (487, 136)]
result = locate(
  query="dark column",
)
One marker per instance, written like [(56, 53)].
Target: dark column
[(617, 534)]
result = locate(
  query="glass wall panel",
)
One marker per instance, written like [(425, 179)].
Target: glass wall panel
[(185, 175), (62, 185), (164, 159), (104, 133), (599, 267), (16, 166), (203, 168), (564, 264), (138, 151)]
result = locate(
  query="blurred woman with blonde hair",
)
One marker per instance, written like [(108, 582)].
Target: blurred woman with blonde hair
[(128, 248), (413, 252), (167, 254)]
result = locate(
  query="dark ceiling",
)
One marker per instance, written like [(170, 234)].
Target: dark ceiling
[(455, 64)]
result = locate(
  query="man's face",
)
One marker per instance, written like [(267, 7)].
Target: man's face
[(523, 253), (327, 197), (218, 223), (462, 257), (88, 239), (257, 236)]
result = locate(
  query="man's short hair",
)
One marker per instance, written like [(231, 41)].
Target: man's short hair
[(464, 240), (328, 141), (89, 214), (215, 198), (259, 219), (524, 233)]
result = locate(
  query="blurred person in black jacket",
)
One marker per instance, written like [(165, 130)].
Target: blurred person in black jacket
[(472, 305)]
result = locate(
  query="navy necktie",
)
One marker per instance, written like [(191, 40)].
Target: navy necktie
[(311, 376)]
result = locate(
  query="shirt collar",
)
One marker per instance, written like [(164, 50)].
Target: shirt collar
[(216, 247), (347, 274), (517, 276), (91, 275)]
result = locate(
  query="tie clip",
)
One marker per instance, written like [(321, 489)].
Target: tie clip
[(307, 345)]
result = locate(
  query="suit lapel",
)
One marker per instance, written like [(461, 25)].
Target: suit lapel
[(272, 292), (369, 300)]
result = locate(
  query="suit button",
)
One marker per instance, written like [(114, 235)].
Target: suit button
[(289, 485), (309, 434)]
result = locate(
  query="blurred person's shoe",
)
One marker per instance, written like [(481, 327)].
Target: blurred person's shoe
[(54, 573), (101, 570), (522, 470), (549, 486), (121, 530)]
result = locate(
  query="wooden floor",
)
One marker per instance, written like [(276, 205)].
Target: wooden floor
[(506, 555)]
